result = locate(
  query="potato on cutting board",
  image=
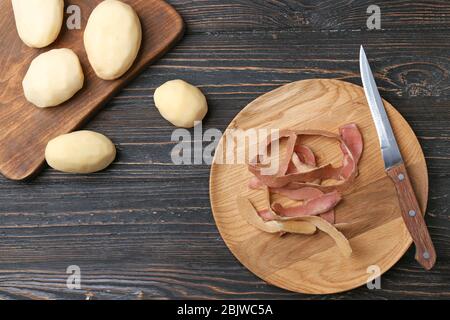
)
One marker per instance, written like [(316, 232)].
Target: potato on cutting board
[(112, 38), (38, 22)]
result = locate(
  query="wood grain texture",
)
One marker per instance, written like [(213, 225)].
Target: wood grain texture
[(370, 207), (144, 227), (413, 216), (305, 15), (26, 129)]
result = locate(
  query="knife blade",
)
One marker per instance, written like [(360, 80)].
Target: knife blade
[(396, 170)]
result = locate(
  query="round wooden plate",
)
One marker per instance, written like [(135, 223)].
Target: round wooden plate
[(377, 234)]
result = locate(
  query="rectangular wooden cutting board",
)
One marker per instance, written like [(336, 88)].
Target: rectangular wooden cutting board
[(26, 129)]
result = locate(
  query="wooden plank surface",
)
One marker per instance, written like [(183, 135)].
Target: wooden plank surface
[(128, 227), (295, 15)]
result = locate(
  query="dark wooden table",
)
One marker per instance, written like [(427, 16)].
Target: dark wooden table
[(143, 228)]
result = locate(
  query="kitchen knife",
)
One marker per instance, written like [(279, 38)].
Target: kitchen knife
[(395, 169)]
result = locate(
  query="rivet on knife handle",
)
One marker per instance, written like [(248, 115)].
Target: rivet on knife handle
[(413, 217)]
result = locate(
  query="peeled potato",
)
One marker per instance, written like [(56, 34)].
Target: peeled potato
[(53, 78), (80, 152), (112, 38), (38, 22), (181, 103)]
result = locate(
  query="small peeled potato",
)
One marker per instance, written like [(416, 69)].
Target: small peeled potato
[(38, 22), (53, 78), (181, 103), (80, 152)]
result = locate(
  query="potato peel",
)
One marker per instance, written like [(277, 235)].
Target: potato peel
[(299, 178), (303, 225), (298, 227), (248, 211), (341, 241)]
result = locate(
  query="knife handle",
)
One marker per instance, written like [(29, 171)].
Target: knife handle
[(413, 217)]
